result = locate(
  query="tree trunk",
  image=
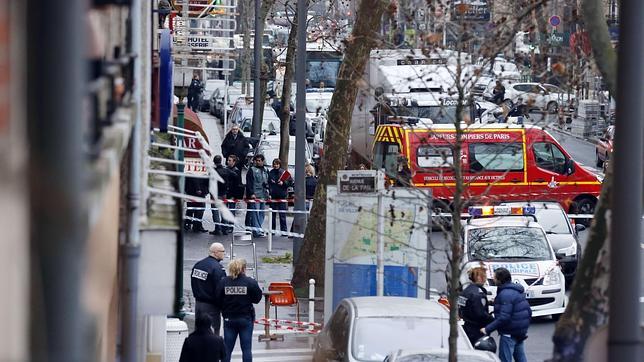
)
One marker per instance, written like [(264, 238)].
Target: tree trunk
[(603, 52), (363, 38), (587, 308), (263, 80), (285, 115), (245, 71), (455, 246)]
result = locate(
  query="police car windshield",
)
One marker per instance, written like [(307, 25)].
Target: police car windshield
[(508, 242), (374, 336)]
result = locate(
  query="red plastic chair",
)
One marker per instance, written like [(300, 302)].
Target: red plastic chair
[(286, 299)]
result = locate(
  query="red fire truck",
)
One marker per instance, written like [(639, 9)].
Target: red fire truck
[(500, 162)]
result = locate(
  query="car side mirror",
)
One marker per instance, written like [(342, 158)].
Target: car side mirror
[(580, 227), (570, 167), (559, 256)]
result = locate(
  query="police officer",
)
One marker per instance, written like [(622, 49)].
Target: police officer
[(205, 277), (473, 305), (237, 293)]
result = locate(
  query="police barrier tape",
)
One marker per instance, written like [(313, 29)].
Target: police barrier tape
[(289, 328), (250, 228), (287, 321), (273, 210)]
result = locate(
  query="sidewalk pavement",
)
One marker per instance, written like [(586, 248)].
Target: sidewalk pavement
[(296, 346)]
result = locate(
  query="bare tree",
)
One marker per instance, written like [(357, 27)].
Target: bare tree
[(358, 47), (587, 309)]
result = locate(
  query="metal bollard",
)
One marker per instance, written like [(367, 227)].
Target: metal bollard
[(270, 230), (311, 303)]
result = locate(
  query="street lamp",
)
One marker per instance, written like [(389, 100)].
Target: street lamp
[(181, 91)]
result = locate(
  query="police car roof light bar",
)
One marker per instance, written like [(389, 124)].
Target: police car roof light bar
[(492, 211)]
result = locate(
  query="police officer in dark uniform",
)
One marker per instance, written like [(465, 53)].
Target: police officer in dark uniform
[(237, 293), (473, 305), (205, 278)]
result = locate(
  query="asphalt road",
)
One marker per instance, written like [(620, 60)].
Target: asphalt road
[(539, 344)]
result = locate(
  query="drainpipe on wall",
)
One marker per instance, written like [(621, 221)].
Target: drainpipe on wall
[(131, 250)]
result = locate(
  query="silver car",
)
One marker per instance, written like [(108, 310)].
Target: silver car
[(560, 232), (370, 328), (440, 354)]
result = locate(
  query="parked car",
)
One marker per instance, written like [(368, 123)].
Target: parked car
[(604, 147), (216, 102), (561, 233), (440, 354), (269, 146), (243, 116), (538, 96), (370, 328), (210, 86), (512, 238)]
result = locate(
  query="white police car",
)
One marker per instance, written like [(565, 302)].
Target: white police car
[(510, 237)]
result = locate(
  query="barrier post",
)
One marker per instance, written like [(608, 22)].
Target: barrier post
[(270, 230), (311, 303)]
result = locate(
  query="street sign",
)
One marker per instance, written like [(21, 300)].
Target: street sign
[(555, 20), (360, 181)]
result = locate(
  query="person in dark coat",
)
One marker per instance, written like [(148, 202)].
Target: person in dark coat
[(498, 92), (257, 192), (512, 315), (278, 186), (224, 173), (310, 183), (235, 187), (202, 345), (205, 277), (194, 93), (195, 187), (235, 143), (473, 305), (237, 294)]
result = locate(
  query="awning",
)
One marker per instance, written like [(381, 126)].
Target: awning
[(191, 122)]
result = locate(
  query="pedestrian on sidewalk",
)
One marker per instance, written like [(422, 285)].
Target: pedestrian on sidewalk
[(235, 143), (473, 305), (205, 278), (310, 184), (279, 180), (202, 344), (164, 10), (194, 91), (257, 193), (224, 173), (235, 188), (237, 294), (512, 315)]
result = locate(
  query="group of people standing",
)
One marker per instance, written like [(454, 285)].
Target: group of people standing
[(262, 185), (219, 295)]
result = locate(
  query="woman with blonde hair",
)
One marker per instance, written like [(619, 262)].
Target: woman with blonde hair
[(237, 294), (473, 304), (311, 181)]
